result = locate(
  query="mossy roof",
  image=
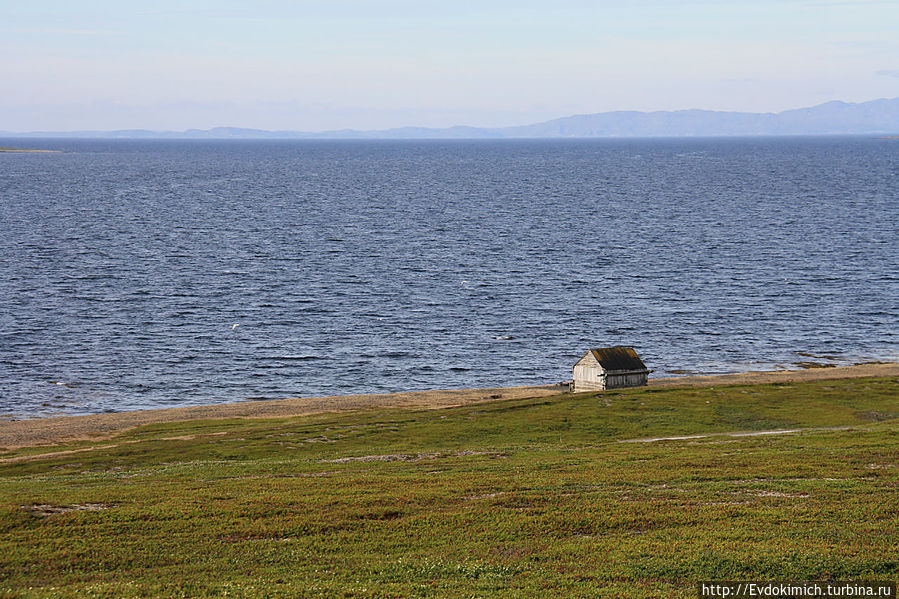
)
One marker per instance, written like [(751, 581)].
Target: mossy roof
[(618, 358)]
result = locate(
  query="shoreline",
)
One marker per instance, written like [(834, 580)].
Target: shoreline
[(16, 434), (28, 151)]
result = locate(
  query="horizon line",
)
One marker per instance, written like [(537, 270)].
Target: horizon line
[(425, 128)]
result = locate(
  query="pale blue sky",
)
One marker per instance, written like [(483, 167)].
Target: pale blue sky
[(316, 65)]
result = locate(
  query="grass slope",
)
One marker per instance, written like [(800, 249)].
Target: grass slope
[(7, 149), (513, 498)]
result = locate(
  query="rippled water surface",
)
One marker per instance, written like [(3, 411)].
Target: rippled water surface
[(139, 274)]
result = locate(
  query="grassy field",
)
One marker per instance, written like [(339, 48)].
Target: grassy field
[(8, 149), (523, 498)]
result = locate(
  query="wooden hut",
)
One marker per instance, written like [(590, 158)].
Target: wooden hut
[(609, 368)]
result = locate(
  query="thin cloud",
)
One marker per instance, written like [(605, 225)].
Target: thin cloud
[(201, 12), (67, 31), (888, 73), (826, 3)]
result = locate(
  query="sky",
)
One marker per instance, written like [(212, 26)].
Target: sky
[(315, 65)]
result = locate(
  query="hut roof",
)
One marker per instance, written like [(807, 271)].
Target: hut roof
[(618, 358)]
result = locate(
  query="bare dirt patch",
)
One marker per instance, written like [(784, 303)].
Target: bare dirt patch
[(410, 457), (42, 510), (485, 496), (880, 466), (736, 434), (781, 494)]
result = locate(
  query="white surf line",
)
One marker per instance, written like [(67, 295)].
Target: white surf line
[(736, 434)]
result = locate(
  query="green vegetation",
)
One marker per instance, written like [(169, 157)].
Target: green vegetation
[(513, 498)]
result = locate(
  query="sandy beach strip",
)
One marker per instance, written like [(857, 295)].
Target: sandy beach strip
[(49, 431)]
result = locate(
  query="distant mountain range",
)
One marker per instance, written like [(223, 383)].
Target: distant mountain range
[(832, 118)]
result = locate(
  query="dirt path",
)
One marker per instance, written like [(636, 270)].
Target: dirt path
[(788, 431), (420, 456), (50, 431), (780, 376)]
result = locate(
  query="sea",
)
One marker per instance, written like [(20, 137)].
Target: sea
[(143, 274)]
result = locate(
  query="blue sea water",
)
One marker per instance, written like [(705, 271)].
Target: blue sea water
[(144, 274)]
